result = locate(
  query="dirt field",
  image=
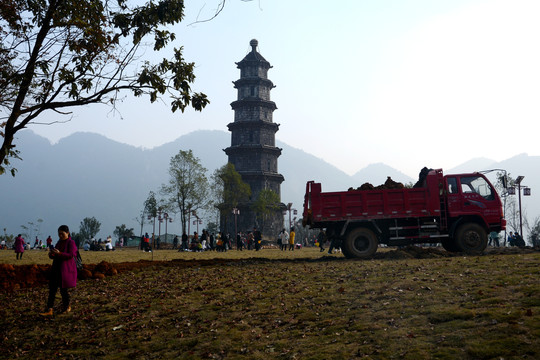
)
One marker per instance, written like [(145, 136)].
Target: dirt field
[(413, 303)]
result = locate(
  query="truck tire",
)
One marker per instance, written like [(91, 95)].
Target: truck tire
[(360, 243), (471, 238)]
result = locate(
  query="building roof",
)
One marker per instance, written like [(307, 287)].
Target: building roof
[(253, 56)]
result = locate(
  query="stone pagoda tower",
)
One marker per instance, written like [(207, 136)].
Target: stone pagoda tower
[(253, 150)]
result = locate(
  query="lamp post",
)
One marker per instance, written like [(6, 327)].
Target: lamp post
[(289, 208), (167, 220), (518, 182), (526, 192), (236, 212), (197, 221), (160, 220)]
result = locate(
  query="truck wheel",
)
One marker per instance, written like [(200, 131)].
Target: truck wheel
[(471, 238), (360, 243)]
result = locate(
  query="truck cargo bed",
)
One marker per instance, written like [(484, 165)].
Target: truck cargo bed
[(370, 204)]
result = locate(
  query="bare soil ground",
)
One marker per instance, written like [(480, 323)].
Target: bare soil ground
[(412, 303)]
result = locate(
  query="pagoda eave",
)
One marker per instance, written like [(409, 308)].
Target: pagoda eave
[(253, 101)]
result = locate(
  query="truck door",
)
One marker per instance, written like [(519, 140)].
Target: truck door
[(478, 197), (454, 198)]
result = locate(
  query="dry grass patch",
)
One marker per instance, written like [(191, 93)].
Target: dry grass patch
[(291, 308)]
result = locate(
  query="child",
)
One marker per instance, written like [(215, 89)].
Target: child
[(63, 270)]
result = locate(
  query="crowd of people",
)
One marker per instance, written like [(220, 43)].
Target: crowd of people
[(222, 241), (100, 245), (206, 241)]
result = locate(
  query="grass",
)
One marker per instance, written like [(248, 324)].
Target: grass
[(286, 305)]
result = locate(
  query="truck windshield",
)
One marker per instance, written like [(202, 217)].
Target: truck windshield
[(477, 184)]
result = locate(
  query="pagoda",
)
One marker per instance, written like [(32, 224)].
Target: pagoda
[(253, 150)]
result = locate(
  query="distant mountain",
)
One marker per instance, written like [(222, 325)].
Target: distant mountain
[(477, 164), (378, 173), (87, 175)]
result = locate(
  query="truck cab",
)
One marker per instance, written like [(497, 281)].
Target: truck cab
[(472, 199)]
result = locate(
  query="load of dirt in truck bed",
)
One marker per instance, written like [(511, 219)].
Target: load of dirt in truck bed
[(388, 184)]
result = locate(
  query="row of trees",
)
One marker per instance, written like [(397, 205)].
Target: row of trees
[(189, 191), (90, 226)]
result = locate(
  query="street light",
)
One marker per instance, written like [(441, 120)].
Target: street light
[(197, 222), (160, 220), (236, 212), (289, 208), (167, 220), (526, 192)]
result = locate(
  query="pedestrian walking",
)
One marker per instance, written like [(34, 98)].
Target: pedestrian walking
[(63, 273)]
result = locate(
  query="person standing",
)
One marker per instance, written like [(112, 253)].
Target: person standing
[(184, 242), (257, 237), (284, 235), (292, 235), (19, 246), (146, 243), (239, 242), (321, 239), (63, 271), (49, 242), (212, 242)]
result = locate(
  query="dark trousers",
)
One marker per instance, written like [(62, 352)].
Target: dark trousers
[(54, 284)]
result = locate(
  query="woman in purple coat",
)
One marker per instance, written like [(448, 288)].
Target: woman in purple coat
[(63, 270), (19, 246)]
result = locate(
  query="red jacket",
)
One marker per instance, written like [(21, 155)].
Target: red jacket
[(19, 244), (65, 259)]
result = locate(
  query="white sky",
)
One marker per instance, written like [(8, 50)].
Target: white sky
[(409, 83)]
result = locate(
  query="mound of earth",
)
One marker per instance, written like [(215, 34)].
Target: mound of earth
[(388, 185)]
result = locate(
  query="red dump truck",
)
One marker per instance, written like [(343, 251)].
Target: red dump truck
[(457, 210)]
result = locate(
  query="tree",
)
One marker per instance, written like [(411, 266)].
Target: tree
[(150, 208), (228, 189), (78, 238), (31, 229), (56, 55), (267, 203), (534, 233), (89, 228), (123, 232), (187, 190)]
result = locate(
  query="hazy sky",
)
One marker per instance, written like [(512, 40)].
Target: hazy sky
[(409, 83)]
